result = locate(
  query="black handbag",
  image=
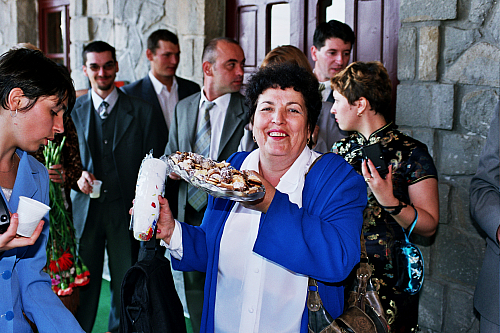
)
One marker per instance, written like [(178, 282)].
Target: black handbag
[(408, 263), (363, 312)]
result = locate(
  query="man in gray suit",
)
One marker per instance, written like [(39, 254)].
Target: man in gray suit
[(331, 51), (485, 209), (223, 61), (115, 132), (161, 87)]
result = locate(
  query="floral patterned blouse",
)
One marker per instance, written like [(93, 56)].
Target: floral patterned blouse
[(411, 163)]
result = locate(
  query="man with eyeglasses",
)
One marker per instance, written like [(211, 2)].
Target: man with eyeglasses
[(115, 132)]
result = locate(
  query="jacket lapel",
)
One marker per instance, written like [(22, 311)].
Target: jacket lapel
[(191, 121), (234, 116), (26, 181), (123, 117), (149, 93)]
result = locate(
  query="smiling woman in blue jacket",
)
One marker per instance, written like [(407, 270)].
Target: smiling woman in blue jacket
[(258, 255), (35, 93)]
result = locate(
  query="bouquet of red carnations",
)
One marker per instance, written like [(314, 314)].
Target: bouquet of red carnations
[(64, 265)]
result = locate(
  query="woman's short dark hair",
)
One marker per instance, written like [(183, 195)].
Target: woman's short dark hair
[(36, 75), (286, 75), (366, 79)]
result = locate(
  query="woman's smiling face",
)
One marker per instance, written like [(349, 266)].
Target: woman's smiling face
[(280, 123)]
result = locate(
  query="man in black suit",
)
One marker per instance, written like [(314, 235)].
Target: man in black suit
[(161, 87), (115, 132)]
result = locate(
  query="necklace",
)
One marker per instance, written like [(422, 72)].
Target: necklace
[(13, 163)]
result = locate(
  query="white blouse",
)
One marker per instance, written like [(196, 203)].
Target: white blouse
[(253, 293)]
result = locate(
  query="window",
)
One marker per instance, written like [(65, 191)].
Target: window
[(336, 11), (280, 25), (54, 30)]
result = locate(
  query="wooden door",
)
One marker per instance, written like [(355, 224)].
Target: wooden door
[(376, 26), (250, 22)]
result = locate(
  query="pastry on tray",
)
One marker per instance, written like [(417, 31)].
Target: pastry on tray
[(219, 179)]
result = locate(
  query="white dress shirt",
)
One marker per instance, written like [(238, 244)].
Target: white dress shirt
[(326, 92), (217, 117), (253, 293), (167, 99), (111, 99)]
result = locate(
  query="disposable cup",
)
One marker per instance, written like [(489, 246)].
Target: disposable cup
[(96, 189), (30, 213)]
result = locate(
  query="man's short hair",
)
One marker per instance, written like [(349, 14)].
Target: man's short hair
[(210, 50), (161, 34), (332, 29), (98, 47)]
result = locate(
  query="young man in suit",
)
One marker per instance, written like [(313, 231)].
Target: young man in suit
[(161, 87), (223, 62), (485, 209), (331, 51), (115, 132)]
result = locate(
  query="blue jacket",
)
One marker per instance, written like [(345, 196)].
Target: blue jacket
[(320, 240), (24, 286)]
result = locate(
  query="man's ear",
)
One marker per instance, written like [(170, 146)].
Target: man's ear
[(149, 55), (116, 66), (207, 68), (313, 53), (84, 68), (16, 99)]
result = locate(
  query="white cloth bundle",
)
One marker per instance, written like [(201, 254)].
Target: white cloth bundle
[(150, 184)]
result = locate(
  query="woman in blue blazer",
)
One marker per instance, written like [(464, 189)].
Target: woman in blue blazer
[(35, 94), (258, 255)]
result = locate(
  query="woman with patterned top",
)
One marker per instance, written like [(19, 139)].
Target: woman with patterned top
[(406, 195)]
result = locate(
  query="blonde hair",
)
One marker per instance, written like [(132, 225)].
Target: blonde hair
[(287, 53)]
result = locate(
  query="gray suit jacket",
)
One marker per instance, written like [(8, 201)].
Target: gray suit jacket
[(485, 209), (135, 135), (183, 133), (144, 89), (329, 131)]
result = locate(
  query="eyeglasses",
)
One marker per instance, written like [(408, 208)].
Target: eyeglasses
[(107, 66)]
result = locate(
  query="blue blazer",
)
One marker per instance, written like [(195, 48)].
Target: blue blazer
[(24, 286), (144, 89), (320, 240)]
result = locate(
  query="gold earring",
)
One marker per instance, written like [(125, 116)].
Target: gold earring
[(253, 137)]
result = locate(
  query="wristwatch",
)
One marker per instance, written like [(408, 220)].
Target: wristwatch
[(395, 210)]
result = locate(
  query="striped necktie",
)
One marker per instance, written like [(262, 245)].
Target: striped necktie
[(198, 198)]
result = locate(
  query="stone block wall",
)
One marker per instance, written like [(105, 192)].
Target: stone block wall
[(18, 23), (449, 72), (126, 25)]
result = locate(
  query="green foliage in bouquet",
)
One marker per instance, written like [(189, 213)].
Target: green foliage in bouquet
[(64, 265)]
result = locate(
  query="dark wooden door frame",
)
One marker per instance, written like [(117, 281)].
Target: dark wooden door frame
[(51, 6)]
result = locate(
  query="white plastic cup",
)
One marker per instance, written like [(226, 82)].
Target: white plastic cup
[(30, 213), (96, 189)]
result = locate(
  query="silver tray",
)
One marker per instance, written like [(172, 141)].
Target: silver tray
[(213, 190)]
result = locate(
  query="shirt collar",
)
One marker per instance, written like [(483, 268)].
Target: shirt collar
[(158, 86), (293, 177), (111, 99), (221, 101)]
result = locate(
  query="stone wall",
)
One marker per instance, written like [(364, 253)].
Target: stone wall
[(18, 23), (126, 25), (449, 72)]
